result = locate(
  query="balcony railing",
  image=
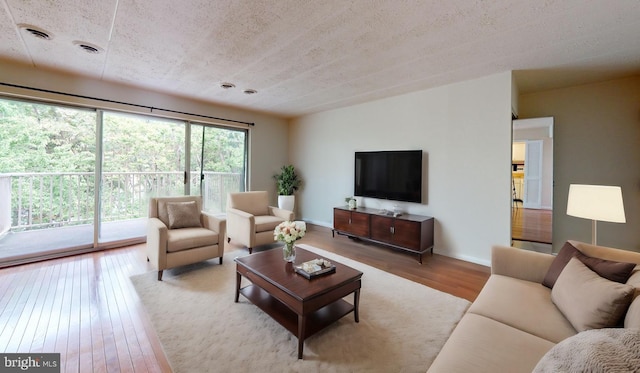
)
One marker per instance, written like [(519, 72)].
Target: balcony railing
[(47, 200)]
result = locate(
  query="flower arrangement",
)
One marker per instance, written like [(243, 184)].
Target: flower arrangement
[(289, 232)]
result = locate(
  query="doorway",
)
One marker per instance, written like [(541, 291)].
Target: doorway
[(532, 183)]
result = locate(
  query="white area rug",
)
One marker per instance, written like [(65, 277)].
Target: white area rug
[(402, 327)]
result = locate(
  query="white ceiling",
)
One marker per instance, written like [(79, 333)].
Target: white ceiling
[(308, 56)]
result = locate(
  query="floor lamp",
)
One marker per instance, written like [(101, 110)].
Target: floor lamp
[(596, 202)]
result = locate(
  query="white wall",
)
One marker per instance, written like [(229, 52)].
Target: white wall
[(464, 130), (268, 138)]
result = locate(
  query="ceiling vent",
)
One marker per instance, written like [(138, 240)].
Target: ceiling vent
[(36, 31), (87, 47), (250, 91)]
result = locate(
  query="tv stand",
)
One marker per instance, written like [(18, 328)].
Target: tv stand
[(411, 233)]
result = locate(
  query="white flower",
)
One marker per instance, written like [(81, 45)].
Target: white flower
[(289, 231)]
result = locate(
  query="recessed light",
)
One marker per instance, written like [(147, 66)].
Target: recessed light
[(227, 85), (36, 31), (88, 47), (250, 91)]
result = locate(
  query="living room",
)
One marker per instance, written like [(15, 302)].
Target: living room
[(463, 128)]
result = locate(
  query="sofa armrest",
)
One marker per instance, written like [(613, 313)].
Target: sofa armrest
[(519, 263), (214, 223), (241, 226), (157, 242), (281, 213)]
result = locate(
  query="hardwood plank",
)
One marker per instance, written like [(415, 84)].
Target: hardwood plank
[(13, 310), (85, 354), (98, 354), (42, 328)]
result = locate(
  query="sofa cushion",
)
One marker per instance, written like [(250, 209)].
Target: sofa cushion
[(611, 270), (189, 238), (267, 223), (587, 300), (183, 215), (523, 305), (480, 344), (632, 318)]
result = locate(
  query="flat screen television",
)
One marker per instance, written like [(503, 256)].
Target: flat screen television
[(394, 175)]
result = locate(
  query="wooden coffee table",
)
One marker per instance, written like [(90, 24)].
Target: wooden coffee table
[(302, 306)]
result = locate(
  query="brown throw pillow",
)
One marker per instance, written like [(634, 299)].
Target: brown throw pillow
[(609, 269), (587, 300), (183, 215)]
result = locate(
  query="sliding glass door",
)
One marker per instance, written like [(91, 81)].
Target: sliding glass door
[(143, 157), (74, 179), (47, 178), (218, 164)]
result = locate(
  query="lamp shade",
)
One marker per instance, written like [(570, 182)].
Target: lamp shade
[(596, 202)]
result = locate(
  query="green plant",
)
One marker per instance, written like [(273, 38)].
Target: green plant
[(287, 181)]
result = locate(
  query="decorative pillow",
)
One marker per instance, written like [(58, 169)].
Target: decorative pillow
[(609, 269), (587, 300), (183, 215)]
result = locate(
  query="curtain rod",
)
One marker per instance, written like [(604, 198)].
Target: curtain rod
[(151, 108)]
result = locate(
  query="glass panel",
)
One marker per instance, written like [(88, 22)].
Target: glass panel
[(46, 178), (224, 167), (143, 157)]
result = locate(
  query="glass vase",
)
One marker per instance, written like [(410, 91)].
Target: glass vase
[(289, 252)]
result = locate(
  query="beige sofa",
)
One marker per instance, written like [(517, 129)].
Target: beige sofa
[(515, 321)]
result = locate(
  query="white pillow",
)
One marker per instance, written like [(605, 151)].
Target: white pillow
[(587, 300)]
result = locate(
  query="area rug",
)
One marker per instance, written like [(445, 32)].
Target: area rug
[(403, 324)]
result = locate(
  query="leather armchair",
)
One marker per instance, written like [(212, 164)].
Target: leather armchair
[(250, 219), (180, 233)]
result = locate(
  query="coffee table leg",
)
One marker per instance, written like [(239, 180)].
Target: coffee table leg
[(237, 286), (356, 301), (301, 322)]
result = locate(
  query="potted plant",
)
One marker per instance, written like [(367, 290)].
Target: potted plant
[(287, 182)]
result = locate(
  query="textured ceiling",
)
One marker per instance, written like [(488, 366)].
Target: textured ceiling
[(308, 56)]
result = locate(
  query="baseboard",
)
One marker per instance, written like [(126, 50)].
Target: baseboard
[(466, 258), (319, 223)]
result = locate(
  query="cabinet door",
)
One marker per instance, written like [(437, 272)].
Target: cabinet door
[(341, 220), (407, 234), (381, 228), (359, 224)]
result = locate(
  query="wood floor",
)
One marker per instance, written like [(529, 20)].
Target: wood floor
[(533, 225), (86, 308)]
